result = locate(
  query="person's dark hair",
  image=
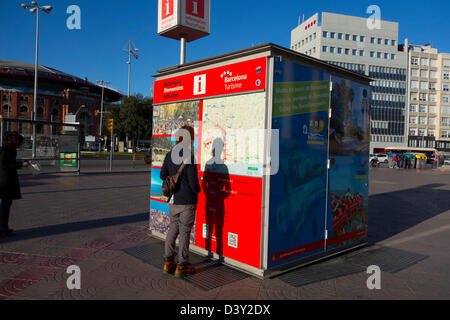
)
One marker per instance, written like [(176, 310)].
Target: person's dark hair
[(13, 138), (191, 132)]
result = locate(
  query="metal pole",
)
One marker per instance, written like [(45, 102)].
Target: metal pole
[(35, 86), (129, 69), (183, 50), (101, 116), (111, 151)]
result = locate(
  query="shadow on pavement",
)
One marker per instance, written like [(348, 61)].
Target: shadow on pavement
[(74, 227), (395, 212)]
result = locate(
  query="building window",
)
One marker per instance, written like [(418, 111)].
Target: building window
[(424, 62), (332, 35), (412, 132), (379, 40), (393, 42), (325, 34), (445, 87), (445, 134), (347, 51), (413, 108), (446, 63), (314, 35), (379, 55), (421, 132), (415, 61), (413, 120), (40, 111), (392, 56), (446, 75), (331, 49), (446, 122), (355, 37), (385, 55), (386, 42), (422, 108), (347, 37), (372, 40), (372, 54), (55, 112), (430, 133), (354, 52), (414, 84), (361, 39), (422, 97), (361, 53), (340, 36), (339, 50), (324, 49), (6, 108), (446, 99), (423, 85), (23, 109)]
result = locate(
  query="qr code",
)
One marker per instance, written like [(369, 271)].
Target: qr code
[(232, 240)]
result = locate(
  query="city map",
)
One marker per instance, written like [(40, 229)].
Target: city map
[(234, 127)]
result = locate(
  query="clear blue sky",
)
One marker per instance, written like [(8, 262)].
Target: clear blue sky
[(95, 51)]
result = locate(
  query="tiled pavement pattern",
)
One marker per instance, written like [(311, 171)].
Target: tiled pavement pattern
[(92, 220)]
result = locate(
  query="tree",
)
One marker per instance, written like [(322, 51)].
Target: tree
[(133, 118)]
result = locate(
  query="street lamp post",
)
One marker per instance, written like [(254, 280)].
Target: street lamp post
[(34, 8), (102, 83), (132, 51)]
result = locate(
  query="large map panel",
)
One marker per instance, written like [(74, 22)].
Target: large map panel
[(233, 134)]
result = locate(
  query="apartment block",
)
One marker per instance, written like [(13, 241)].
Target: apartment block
[(428, 98)]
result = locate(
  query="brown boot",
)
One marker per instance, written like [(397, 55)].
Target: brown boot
[(169, 267), (184, 270)]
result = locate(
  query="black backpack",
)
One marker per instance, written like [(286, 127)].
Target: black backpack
[(170, 183)]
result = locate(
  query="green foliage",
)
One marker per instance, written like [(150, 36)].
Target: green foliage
[(133, 117)]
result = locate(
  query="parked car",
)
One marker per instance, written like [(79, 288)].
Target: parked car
[(447, 162), (382, 158)]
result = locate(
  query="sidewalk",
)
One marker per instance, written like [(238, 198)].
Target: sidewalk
[(96, 221)]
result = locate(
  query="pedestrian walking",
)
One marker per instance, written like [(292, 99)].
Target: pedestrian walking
[(183, 204), (9, 180)]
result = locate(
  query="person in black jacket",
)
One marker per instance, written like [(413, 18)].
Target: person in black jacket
[(9, 180), (183, 204)]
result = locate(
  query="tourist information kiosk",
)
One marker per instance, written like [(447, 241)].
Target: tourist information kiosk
[(282, 149)]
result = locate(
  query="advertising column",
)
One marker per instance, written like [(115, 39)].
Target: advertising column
[(298, 192), (349, 159)]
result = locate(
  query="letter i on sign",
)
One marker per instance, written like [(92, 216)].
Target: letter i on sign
[(195, 10), (167, 9)]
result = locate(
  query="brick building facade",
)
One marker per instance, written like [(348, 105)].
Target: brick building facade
[(58, 95)]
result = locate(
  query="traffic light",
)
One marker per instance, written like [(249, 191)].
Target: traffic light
[(110, 125)]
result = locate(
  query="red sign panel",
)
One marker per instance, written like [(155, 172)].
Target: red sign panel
[(167, 8), (231, 79), (196, 8), (228, 220)]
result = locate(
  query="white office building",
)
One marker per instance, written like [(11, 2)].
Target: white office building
[(348, 42)]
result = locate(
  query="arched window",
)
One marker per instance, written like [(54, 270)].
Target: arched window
[(40, 111), (6, 108), (23, 109)]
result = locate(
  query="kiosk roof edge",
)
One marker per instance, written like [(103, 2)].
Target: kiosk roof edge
[(272, 50)]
